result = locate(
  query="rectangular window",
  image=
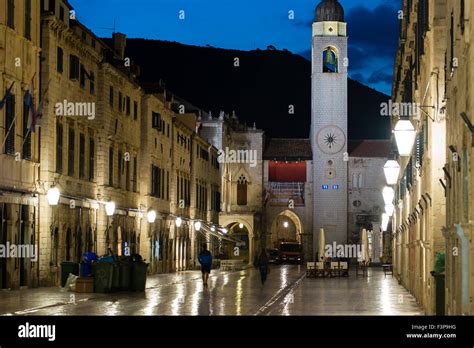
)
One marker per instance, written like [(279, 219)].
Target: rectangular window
[(451, 43), (162, 183), (82, 150), (111, 97), (26, 133), (167, 185), (155, 181), (11, 13), (127, 105), (92, 83), (59, 148), (91, 159), (28, 19), (73, 67), (134, 183), (60, 60), (71, 148), (465, 166), (120, 102), (52, 6), (119, 169), (111, 166), (82, 80), (135, 110), (10, 125), (156, 120), (127, 175), (61, 13)]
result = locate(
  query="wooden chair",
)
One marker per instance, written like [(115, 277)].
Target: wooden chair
[(310, 269), (320, 271), (343, 269)]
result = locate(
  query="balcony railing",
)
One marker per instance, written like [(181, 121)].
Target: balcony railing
[(280, 193)]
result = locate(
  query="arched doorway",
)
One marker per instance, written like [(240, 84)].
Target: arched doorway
[(237, 251), (286, 227)]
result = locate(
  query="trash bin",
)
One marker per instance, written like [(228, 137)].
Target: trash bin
[(138, 279), (440, 293), (87, 259), (439, 276), (103, 276), (115, 277), (125, 275), (68, 267)]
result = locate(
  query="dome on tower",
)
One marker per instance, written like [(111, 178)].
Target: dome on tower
[(329, 10)]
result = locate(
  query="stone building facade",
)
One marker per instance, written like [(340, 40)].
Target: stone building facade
[(104, 139), (365, 204), (19, 140), (433, 214), (459, 157)]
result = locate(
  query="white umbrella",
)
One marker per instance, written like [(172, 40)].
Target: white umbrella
[(365, 246), (322, 242)]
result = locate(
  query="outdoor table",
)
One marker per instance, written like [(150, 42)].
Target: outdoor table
[(363, 269), (387, 269)]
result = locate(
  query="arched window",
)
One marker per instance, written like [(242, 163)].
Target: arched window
[(329, 60), (118, 241), (68, 244), (78, 246), (242, 191)]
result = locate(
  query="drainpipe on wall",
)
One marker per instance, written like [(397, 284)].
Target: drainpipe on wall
[(465, 266)]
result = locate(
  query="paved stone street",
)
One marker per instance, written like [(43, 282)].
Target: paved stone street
[(287, 292)]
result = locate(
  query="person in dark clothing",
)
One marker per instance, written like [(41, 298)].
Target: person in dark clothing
[(262, 265), (205, 259)]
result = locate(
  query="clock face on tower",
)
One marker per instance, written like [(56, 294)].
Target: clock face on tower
[(331, 139)]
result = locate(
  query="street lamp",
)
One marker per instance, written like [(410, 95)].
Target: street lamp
[(389, 209), (151, 216), (224, 230), (405, 135), (385, 220), (241, 225), (285, 224), (109, 211), (110, 208), (197, 225), (391, 170), (179, 221), (53, 196), (388, 195)]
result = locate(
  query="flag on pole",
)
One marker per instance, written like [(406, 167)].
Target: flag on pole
[(5, 97), (29, 103), (39, 111)]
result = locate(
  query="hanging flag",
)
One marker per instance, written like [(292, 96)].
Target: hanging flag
[(5, 97), (39, 111), (29, 103)]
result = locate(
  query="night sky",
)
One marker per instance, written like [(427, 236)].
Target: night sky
[(251, 24)]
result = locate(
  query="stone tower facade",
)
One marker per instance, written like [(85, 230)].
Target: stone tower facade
[(329, 122)]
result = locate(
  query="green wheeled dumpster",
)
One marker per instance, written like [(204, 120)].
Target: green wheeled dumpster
[(115, 277), (439, 277), (125, 275), (440, 293), (68, 267), (138, 279), (103, 276)]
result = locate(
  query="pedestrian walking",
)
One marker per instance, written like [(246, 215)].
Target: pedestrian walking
[(262, 265), (205, 259)]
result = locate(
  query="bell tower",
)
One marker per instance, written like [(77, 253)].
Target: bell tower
[(329, 122)]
